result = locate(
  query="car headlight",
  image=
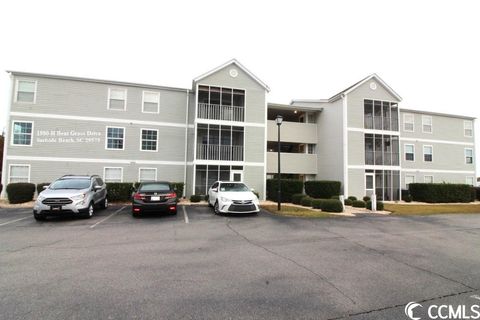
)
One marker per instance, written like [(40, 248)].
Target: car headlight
[(78, 197), (225, 199), (40, 198)]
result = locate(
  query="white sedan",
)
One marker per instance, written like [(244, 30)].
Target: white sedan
[(232, 197)]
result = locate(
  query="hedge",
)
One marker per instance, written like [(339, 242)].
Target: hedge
[(477, 192), (379, 205), (322, 189), (358, 204), (289, 188), (1, 188), (317, 203), (352, 198), (195, 198), (348, 202), (332, 205), (440, 192), (40, 186), (119, 191), (178, 187), (306, 201), (366, 198), (20, 192), (297, 198)]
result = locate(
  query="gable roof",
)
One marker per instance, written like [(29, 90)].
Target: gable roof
[(359, 83), (239, 65)]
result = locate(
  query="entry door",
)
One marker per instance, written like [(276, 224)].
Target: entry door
[(369, 184), (236, 175)]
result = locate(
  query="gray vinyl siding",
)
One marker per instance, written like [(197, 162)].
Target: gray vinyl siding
[(293, 132), (356, 148), (292, 163), (254, 177), (355, 108), (356, 183), (254, 144)]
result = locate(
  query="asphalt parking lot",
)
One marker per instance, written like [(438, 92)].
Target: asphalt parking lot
[(199, 266)]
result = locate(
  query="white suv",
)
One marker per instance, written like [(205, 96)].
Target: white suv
[(232, 197)]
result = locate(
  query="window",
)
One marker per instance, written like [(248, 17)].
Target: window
[(311, 149), (151, 102), (221, 103), (408, 122), (428, 179), (19, 173), (470, 181), (148, 140), (117, 99), (468, 156), (111, 174), (147, 174), (409, 152), (468, 128), (26, 91), (115, 138), (409, 179), (427, 153), (427, 124), (22, 133)]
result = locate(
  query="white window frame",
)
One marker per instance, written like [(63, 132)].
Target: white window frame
[(144, 168), (409, 175), (17, 165), (124, 101), (468, 182), (156, 145), (423, 151), (34, 92), (12, 132), (124, 137), (413, 122), (405, 152), (143, 101), (423, 124), (105, 171), (428, 175), (465, 124), (465, 152)]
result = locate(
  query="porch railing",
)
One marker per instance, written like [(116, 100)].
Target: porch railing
[(219, 152), (220, 112)]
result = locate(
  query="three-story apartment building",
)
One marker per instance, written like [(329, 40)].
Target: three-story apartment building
[(224, 129)]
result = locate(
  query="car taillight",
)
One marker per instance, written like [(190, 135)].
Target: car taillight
[(139, 196), (171, 195)]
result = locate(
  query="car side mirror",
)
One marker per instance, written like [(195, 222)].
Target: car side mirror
[(45, 187), (253, 190), (215, 189), (97, 188)]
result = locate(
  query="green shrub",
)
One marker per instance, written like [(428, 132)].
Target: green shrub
[(407, 198), (136, 185), (473, 194), (297, 198), (352, 198), (477, 193), (40, 186), (358, 204), (440, 192), (331, 205), (1, 188), (335, 197), (20, 192), (195, 198), (366, 198), (289, 188), (317, 203), (322, 189), (178, 188), (348, 202), (379, 205), (306, 201), (119, 191)]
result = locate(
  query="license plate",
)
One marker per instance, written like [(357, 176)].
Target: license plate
[(154, 198), (56, 208)]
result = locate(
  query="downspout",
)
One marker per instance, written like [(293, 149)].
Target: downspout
[(345, 145), (6, 140), (186, 144)]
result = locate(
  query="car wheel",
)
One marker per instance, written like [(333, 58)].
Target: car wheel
[(39, 217), (90, 211), (105, 203), (216, 209), (135, 214)]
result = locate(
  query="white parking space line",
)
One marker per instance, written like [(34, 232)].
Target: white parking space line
[(108, 217), (12, 221), (185, 215)]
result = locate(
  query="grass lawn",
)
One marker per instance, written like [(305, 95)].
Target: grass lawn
[(296, 212), (428, 209)]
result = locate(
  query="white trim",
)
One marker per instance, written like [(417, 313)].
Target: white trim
[(146, 168), (465, 156), (405, 152), (12, 134), (18, 165), (195, 125), (229, 123), (106, 137), (437, 171), (437, 141), (374, 131), (264, 196), (404, 122), (375, 167), (34, 92), (233, 61), (141, 140), (124, 101), (143, 101), (423, 152), (423, 124), (345, 144), (97, 119), (409, 175), (104, 170), (91, 160), (428, 175), (7, 137), (228, 163), (464, 128)]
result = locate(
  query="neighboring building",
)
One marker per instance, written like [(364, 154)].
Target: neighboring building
[(224, 129)]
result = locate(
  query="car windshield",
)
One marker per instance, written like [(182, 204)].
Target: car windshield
[(154, 187), (233, 187), (70, 184)]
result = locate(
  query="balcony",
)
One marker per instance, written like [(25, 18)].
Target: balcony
[(220, 112), (293, 132), (219, 152), (292, 163)]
